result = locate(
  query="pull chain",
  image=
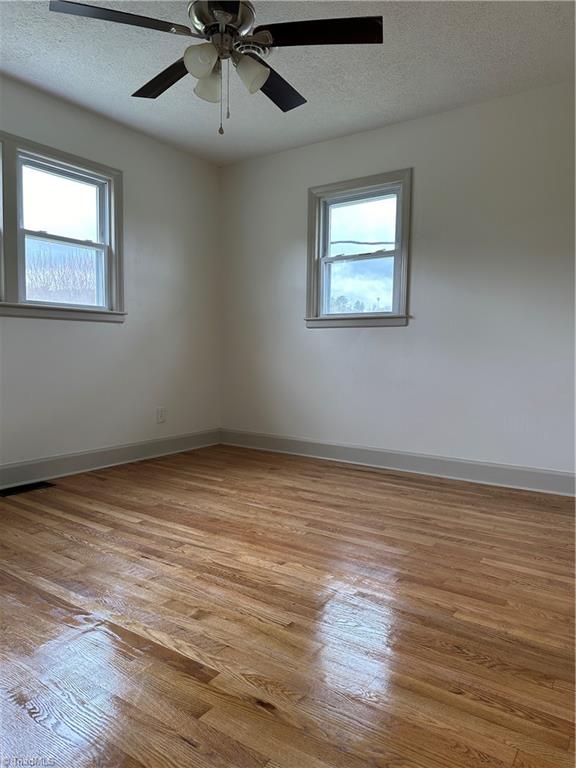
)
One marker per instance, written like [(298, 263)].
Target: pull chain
[(221, 129), (228, 90)]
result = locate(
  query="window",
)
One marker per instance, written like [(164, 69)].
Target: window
[(61, 235), (358, 252)]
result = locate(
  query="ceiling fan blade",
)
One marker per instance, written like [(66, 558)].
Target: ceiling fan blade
[(364, 29), (279, 90), (163, 81), (107, 14)]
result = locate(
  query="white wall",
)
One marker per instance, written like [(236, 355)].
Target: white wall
[(69, 386), (484, 371)]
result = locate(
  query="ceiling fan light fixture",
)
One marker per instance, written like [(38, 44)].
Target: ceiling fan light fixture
[(251, 72), (199, 60), (210, 88)]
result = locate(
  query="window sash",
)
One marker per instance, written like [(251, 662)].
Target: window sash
[(28, 160), (325, 286), (104, 249), (329, 201)]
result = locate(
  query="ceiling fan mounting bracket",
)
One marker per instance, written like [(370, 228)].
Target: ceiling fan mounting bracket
[(206, 15)]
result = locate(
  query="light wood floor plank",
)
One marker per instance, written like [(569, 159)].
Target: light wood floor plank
[(234, 608)]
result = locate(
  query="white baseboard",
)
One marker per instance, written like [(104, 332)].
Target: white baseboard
[(72, 463), (510, 476)]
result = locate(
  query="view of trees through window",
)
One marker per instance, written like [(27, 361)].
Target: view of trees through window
[(363, 285), (64, 274)]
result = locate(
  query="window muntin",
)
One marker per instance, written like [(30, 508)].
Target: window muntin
[(358, 251), (62, 232)]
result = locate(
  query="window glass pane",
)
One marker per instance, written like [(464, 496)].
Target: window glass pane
[(59, 205), (359, 286), (362, 226), (64, 274)]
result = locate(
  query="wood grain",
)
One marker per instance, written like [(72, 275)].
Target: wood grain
[(228, 607)]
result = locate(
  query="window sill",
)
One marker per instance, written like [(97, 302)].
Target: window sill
[(60, 313), (356, 321)]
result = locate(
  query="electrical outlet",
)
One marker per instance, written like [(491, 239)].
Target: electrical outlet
[(160, 414)]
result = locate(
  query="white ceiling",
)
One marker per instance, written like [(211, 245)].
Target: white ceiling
[(436, 56)]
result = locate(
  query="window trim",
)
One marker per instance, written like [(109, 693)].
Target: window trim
[(12, 303), (318, 200)]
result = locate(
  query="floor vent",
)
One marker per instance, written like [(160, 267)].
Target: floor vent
[(16, 489)]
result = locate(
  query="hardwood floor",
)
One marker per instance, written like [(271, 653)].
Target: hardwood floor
[(228, 607)]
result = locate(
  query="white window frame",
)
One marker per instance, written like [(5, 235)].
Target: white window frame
[(319, 201), (18, 152)]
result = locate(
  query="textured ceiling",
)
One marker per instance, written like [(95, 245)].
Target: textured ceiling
[(436, 56)]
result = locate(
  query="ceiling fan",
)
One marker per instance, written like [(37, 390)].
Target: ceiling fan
[(230, 35)]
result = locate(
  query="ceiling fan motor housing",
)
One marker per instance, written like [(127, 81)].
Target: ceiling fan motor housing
[(227, 25)]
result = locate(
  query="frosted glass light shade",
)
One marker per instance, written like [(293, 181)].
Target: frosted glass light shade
[(251, 72), (209, 88), (199, 60)]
